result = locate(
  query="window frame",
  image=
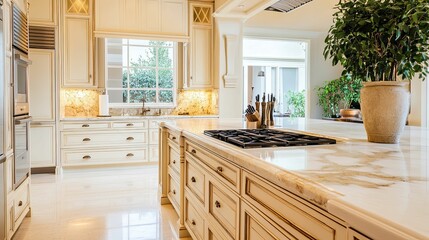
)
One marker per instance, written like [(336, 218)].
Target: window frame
[(157, 68)]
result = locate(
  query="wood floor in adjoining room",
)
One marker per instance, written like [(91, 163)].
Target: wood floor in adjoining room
[(98, 203)]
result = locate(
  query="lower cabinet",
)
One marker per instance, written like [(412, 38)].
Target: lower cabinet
[(42, 145), (18, 207)]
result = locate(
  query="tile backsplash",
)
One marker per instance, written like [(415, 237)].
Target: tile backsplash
[(84, 103)]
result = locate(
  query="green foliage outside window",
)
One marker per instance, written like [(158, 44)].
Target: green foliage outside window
[(296, 103)]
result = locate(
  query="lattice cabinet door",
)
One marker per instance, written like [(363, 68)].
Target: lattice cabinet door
[(202, 14), (78, 7)]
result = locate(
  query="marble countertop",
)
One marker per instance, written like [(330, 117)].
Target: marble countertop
[(132, 117), (365, 184)]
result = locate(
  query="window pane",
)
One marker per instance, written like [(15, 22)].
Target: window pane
[(165, 44), (142, 56), (116, 41), (139, 42), (142, 78), (165, 57), (116, 78), (136, 96), (165, 78), (165, 96), (149, 95), (117, 96), (117, 55)]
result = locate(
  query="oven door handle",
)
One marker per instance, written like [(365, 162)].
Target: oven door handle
[(22, 58), (21, 120)]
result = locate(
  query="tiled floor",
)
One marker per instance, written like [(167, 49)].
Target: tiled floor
[(98, 203)]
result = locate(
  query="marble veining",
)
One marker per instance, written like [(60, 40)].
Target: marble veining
[(387, 183)]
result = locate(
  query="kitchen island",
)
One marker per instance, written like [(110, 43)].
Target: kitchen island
[(349, 190)]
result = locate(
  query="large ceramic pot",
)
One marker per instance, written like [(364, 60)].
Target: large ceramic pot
[(385, 106)]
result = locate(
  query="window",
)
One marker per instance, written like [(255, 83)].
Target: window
[(141, 69)]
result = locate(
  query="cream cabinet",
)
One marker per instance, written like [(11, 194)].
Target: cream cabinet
[(153, 142), (43, 145), (42, 12), (142, 18), (200, 48)]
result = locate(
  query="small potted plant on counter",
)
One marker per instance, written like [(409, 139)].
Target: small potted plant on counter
[(385, 43)]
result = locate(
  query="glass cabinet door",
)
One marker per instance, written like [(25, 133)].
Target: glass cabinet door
[(79, 7)]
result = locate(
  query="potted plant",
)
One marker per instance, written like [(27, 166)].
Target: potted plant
[(385, 43)]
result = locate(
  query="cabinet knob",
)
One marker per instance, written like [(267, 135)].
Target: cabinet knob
[(193, 179), (194, 151), (86, 157), (85, 125), (86, 139), (130, 125), (130, 138), (174, 161), (217, 204), (90, 76), (174, 191), (130, 155), (20, 204), (192, 78), (174, 138), (193, 222), (219, 169)]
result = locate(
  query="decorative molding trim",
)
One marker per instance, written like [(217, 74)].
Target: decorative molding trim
[(231, 51)]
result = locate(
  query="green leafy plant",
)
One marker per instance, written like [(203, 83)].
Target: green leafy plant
[(338, 93), (296, 103), (378, 40)]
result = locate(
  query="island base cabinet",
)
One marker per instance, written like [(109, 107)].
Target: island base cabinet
[(194, 222), (355, 235)]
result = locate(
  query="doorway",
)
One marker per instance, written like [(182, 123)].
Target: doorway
[(278, 67)]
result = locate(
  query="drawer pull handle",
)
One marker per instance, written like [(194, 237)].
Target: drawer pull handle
[(20, 204), (86, 157), (193, 222), (174, 138), (130, 125), (193, 179), (86, 139), (219, 169), (85, 125), (217, 204), (130, 138), (174, 161), (174, 191), (194, 151), (130, 155)]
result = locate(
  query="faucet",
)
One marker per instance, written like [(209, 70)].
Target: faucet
[(144, 110)]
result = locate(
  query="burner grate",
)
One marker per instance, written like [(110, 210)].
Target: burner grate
[(258, 138)]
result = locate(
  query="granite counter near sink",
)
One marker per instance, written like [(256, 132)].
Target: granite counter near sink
[(382, 189)]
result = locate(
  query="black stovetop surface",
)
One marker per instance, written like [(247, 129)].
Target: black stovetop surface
[(258, 138)]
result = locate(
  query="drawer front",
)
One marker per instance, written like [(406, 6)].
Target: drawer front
[(85, 126), (174, 137), (102, 139), (130, 124), (195, 179), (256, 227), (224, 207), (173, 159), (174, 192), (94, 157), (225, 171), (294, 216), (22, 199), (194, 221), (153, 136)]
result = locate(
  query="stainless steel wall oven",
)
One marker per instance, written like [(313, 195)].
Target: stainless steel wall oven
[(21, 113)]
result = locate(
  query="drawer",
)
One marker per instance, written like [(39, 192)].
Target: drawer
[(173, 137), (193, 220), (174, 192), (130, 124), (224, 207), (94, 157), (153, 136), (292, 214), (22, 199), (102, 139), (225, 171), (174, 159), (195, 179), (85, 126)]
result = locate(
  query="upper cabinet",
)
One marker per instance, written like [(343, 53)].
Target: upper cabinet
[(78, 44), (152, 18), (42, 12), (200, 47)]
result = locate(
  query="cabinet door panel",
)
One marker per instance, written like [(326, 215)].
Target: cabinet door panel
[(42, 85), (78, 53), (172, 17), (107, 15), (201, 48), (151, 15), (42, 12), (42, 142)]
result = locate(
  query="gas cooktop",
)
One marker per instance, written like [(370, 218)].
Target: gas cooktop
[(258, 138)]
